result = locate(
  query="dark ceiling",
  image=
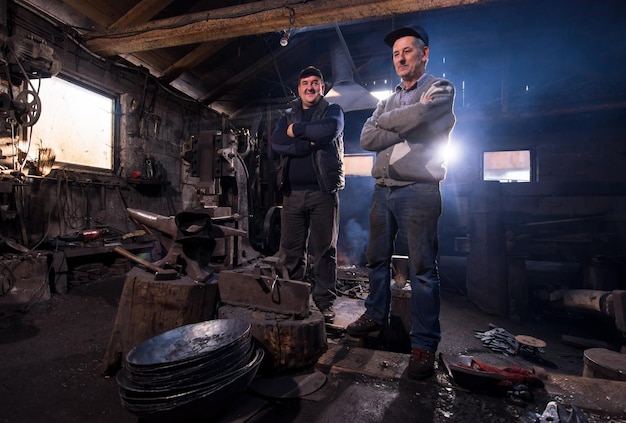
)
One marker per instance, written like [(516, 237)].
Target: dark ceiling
[(506, 57)]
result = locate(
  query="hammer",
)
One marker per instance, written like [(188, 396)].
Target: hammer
[(160, 274)]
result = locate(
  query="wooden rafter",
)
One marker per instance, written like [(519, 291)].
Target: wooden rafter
[(141, 13), (251, 19)]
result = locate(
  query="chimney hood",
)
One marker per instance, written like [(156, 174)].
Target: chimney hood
[(345, 92)]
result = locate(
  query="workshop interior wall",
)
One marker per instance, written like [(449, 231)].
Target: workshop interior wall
[(152, 123), (579, 164), (565, 229)]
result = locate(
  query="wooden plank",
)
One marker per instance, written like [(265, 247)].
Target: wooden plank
[(103, 12), (140, 13), (266, 293), (583, 343), (192, 59), (599, 395), (250, 19), (64, 12), (375, 363)]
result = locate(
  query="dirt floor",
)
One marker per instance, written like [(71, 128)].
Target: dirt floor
[(51, 356)]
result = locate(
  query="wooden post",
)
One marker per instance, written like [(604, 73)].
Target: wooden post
[(486, 262), (149, 308), (518, 288)]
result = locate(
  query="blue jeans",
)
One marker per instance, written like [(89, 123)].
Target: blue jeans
[(311, 218), (406, 217)]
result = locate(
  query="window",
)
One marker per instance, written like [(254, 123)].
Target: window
[(75, 123), (358, 164), (508, 166)]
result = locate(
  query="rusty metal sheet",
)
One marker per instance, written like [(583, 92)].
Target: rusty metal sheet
[(264, 292)]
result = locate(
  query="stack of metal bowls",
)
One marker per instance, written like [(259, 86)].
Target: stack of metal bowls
[(189, 373)]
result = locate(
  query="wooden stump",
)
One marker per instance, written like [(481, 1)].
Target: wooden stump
[(149, 308), (289, 343), (601, 363)]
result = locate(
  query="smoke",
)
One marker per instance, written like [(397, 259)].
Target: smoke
[(352, 249), (354, 209)]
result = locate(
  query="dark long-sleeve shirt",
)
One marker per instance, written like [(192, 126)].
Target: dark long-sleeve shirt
[(313, 159)]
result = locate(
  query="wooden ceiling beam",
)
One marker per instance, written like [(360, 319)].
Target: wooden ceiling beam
[(195, 57), (141, 13), (251, 19), (102, 12), (59, 11), (248, 72)]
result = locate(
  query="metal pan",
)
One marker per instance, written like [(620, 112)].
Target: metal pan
[(187, 342), (228, 357), (162, 386), (198, 405)]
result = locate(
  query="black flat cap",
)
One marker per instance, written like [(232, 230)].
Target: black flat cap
[(415, 31), (311, 71)]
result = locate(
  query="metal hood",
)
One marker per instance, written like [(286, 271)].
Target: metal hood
[(345, 91)]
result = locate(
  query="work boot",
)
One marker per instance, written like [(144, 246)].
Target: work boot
[(362, 326), (328, 313), (421, 363)]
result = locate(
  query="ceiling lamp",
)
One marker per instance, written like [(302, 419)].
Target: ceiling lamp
[(284, 40)]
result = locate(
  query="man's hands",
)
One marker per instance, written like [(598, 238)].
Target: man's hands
[(436, 88), (290, 134)]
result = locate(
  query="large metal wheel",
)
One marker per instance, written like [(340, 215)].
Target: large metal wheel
[(271, 231), (29, 105)]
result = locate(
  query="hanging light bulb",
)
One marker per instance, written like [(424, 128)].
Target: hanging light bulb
[(284, 40)]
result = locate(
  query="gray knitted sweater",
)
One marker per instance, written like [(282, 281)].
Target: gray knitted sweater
[(409, 140)]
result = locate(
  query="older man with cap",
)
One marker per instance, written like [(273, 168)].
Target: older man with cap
[(309, 138), (408, 132)]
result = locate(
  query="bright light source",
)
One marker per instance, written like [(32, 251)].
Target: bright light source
[(77, 125), (284, 40), (450, 152)]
